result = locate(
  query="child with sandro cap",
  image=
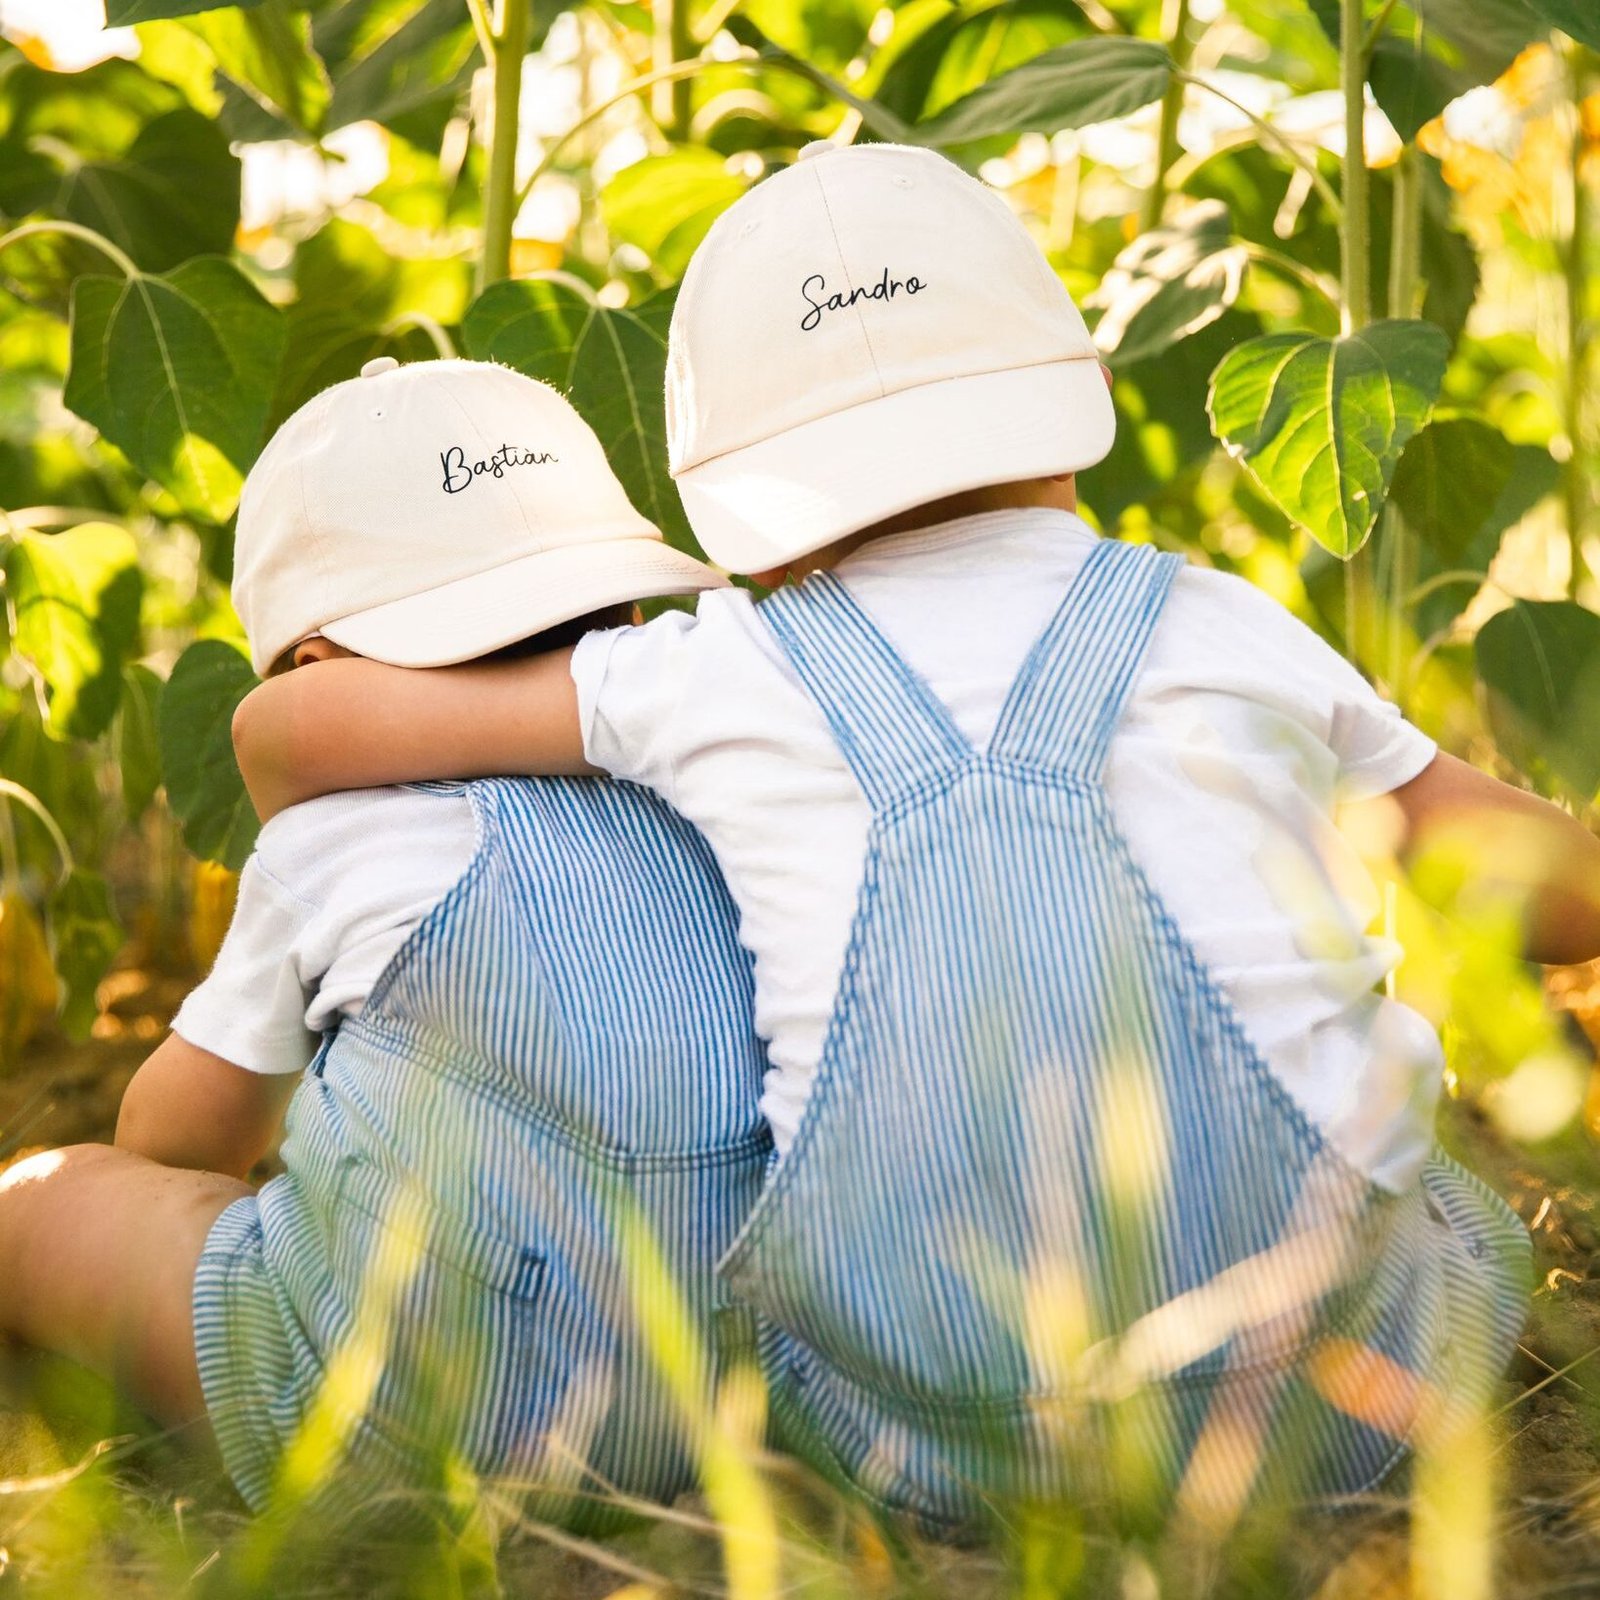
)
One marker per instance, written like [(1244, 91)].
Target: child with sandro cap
[(464, 969), (1083, 1077)]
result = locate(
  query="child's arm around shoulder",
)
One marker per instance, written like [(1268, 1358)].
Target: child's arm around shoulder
[(356, 724), (1523, 845)]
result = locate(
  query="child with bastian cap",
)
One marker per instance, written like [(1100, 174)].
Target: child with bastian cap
[(463, 968), (1031, 835), (342, 552)]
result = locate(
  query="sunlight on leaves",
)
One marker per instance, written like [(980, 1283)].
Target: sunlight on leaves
[(937, 52), (1168, 284), (665, 204), (177, 372), (266, 50), (1320, 423), (76, 598)]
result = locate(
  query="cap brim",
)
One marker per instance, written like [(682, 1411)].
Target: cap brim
[(489, 610), (769, 503)]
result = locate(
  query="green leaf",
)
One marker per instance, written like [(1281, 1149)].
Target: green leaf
[(349, 292), (937, 52), (204, 787), (1320, 423), (1431, 51), (119, 13), (1168, 284), (1540, 661), (1090, 80), (138, 750), (76, 600), (175, 194), (171, 194), (85, 936), (177, 371), (397, 59), (96, 114), (267, 52), (1579, 18), (665, 204), (63, 774), (611, 365), (1449, 561), (1448, 480), (65, 140), (831, 32), (1163, 439)]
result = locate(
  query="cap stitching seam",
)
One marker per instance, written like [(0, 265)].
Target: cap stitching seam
[(849, 283)]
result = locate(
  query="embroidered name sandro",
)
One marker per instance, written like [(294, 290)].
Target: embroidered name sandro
[(886, 288), (459, 473)]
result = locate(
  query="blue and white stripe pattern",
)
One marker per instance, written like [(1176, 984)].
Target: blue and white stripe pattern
[(555, 1080), (1050, 1226)]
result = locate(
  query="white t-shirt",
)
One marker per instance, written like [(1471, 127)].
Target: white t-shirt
[(1242, 733), (333, 890)]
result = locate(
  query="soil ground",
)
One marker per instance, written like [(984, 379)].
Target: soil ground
[(156, 1527)]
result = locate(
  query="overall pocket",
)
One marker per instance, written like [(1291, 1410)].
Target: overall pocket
[(440, 1320)]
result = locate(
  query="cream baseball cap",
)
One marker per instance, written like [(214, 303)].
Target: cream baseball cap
[(863, 332), (429, 513)]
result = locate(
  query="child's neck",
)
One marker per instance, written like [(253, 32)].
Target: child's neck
[(1060, 494)]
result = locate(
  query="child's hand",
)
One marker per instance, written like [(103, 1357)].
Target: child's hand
[(356, 724)]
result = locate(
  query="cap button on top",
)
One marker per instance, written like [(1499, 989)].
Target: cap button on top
[(817, 147), (378, 364)]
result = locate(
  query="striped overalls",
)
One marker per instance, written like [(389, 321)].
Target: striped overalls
[(545, 1112), (1051, 1227)]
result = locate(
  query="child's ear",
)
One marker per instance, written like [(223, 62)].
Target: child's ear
[(316, 648)]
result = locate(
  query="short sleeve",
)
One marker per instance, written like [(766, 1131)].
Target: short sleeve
[(1270, 652), (632, 684), (251, 1009), (1378, 749)]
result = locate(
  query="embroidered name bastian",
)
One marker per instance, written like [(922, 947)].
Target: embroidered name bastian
[(459, 473), (886, 288)]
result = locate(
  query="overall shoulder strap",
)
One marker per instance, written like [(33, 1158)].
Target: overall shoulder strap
[(890, 727), (1064, 708)]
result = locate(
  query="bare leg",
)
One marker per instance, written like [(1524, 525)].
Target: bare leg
[(98, 1250)]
